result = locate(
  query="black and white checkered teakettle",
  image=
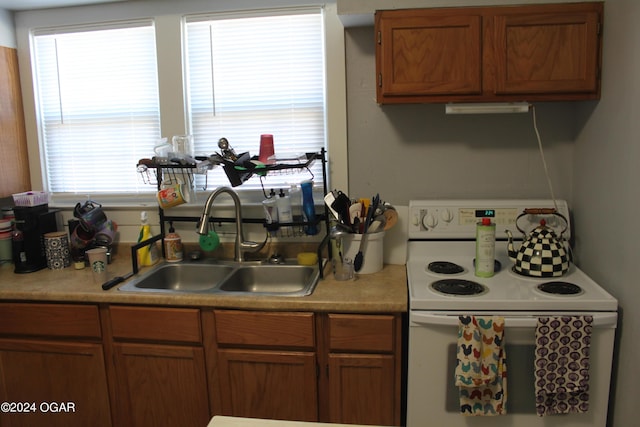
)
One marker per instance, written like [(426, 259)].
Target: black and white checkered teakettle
[(542, 253)]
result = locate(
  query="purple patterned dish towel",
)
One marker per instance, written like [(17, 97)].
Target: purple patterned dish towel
[(562, 364)]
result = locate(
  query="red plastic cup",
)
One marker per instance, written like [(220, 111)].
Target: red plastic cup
[(267, 154)]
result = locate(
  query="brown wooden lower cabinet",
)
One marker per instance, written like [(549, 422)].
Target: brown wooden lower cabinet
[(119, 365), (53, 384), (158, 366), (279, 385), (161, 385), (363, 353), (52, 367), (361, 389)]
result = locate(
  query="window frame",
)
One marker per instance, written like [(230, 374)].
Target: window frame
[(78, 29), (252, 191)]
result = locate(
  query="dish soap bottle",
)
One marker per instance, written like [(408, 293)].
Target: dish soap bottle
[(308, 207), (147, 255), (173, 245)]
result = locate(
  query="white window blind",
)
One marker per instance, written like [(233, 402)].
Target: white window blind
[(257, 73), (98, 105)]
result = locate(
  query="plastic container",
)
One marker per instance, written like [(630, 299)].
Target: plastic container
[(270, 207), (485, 248), (285, 214), (31, 198), (373, 251)]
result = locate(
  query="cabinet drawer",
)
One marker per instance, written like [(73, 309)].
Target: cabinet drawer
[(265, 329), (355, 332), (59, 320), (156, 323)]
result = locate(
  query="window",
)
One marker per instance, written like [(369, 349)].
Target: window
[(253, 74), (98, 105)]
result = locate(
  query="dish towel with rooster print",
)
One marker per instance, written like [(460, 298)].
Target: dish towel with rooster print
[(481, 370), (562, 364)]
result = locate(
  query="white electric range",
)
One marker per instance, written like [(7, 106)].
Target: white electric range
[(443, 285)]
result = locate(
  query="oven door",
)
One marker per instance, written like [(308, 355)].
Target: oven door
[(432, 397)]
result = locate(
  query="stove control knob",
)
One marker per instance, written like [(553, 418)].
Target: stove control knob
[(446, 215), (429, 221), (415, 220)]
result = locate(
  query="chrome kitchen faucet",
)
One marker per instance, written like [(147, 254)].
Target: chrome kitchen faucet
[(241, 245)]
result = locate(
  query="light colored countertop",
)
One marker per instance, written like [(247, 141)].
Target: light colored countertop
[(385, 291)]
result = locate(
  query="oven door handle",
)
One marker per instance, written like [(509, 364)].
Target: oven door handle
[(607, 320)]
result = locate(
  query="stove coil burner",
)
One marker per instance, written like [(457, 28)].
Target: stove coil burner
[(458, 287), (560, 288), (444, 267)]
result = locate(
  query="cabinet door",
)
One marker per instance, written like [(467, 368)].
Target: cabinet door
[(269, 384), (362, 389), (63, 383), (428, 52), (14, 175), (161, 385), (548, 49)]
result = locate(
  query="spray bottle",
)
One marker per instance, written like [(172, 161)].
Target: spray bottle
[(147, 255)]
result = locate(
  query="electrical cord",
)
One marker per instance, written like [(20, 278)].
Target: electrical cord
[(546, 172), (544, 161)]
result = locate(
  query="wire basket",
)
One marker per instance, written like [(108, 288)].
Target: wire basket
[(31, 198)]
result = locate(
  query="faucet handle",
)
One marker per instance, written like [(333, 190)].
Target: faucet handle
[(254, 246)]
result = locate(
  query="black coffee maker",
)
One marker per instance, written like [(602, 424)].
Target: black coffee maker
[(32, 223)]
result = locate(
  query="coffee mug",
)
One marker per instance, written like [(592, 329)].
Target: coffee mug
[(90, 214), (171, 196), (107, 233), (81, 238)]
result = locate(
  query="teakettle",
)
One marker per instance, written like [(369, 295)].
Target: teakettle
[(542, 253)]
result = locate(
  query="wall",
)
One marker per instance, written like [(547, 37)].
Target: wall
[(409, 152), (7, 29), (606, 202), (592, 148)]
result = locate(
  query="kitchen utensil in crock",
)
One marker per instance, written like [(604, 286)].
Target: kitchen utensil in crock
[(542, 253), (359, 259)]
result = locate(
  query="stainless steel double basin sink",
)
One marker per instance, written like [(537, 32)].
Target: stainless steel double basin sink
[(231, 278)]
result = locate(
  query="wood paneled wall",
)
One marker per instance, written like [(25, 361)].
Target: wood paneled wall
[(14, 172)]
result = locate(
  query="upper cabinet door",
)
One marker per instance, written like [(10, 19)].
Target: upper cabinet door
[(428, 52), (543, 52), (548, 49)]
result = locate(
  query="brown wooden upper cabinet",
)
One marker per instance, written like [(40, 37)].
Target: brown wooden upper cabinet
[(549, 52)]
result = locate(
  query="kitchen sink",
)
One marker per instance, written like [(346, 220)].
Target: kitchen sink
[(236, 278), (180, 277), (271, 279)]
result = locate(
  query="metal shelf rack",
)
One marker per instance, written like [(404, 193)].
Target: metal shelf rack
[(237, 172)]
